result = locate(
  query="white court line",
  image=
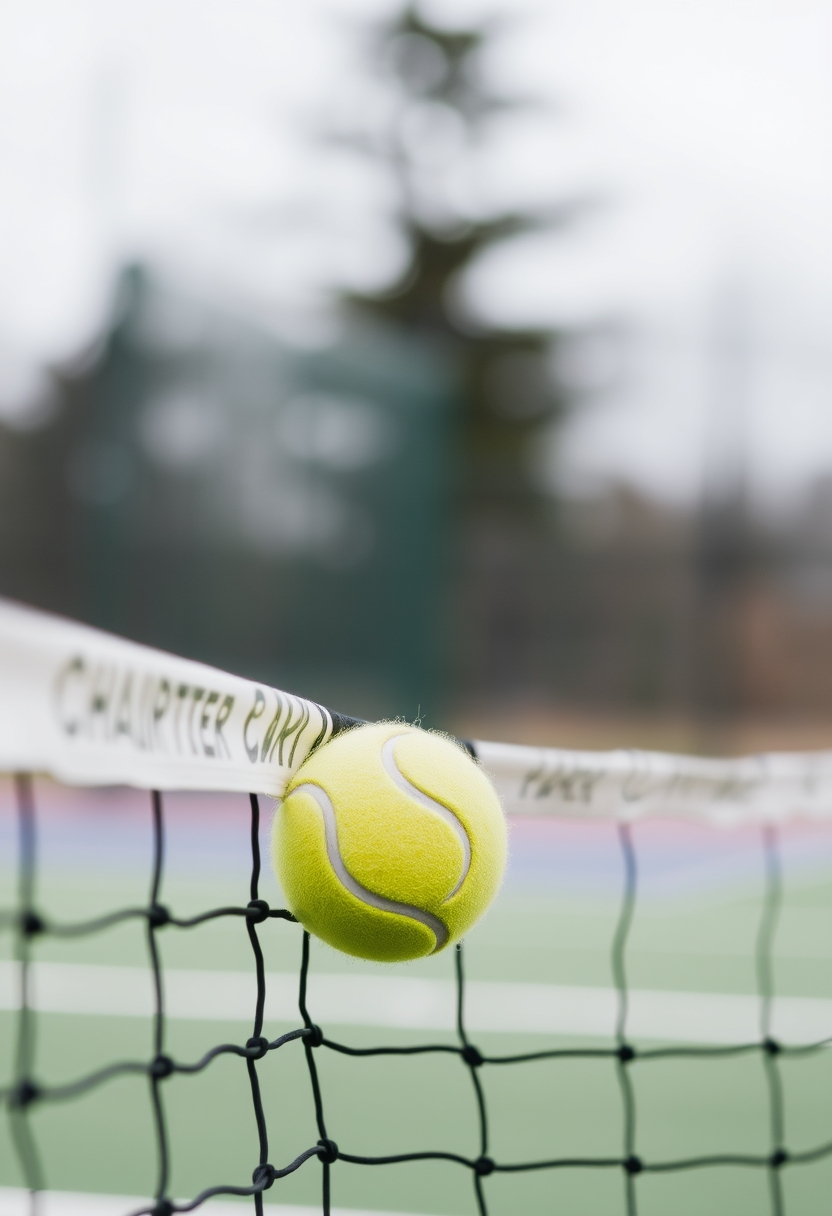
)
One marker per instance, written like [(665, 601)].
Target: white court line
[(15, 1202), (414, 1003)]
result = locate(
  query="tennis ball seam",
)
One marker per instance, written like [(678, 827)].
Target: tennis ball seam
[(388, 759), (381, 902)]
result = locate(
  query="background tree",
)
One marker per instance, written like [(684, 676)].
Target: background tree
[(438, 114), (435, 115)]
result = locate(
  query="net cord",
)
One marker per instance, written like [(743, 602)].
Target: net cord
[(89, 708)]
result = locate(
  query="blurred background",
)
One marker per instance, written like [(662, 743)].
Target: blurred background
[(466, 361)]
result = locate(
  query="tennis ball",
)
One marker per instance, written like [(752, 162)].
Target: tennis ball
[(389, 843)]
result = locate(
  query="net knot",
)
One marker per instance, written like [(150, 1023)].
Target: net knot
[(626, 1053), (161, 1067), (157, 916), (328, 1151), (24, 1093), (257, 1048), (471, 1055), (263, 1177), (257, 910), (314, 1035), (779, 1157), (483, 1166), (632, 1165), (163, 1207), (771, 1047), (31, 923)]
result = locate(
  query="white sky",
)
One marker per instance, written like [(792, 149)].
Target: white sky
[(186, 131)]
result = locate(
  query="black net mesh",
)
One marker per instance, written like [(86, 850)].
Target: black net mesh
[(28, 1090)]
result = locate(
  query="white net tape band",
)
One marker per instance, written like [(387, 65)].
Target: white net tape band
[(89, 708), (632, 784), (93, 709)]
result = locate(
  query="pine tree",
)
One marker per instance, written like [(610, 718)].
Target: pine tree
[(504, 393)]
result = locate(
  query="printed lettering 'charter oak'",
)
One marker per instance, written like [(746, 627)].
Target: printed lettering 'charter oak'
[(105, 702)]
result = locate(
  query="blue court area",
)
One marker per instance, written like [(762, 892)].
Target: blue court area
[(540, 975)]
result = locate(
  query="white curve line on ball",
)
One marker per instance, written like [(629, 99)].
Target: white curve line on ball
[(431, 922), (393, 770)]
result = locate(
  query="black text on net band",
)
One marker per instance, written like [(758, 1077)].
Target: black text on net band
[(111, 705)]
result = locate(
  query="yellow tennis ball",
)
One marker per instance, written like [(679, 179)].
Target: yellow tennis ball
[(390, 842)]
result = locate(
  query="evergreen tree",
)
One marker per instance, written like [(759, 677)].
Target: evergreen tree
[(503, 388)]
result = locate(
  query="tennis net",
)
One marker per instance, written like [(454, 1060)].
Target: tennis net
[(90, 711)]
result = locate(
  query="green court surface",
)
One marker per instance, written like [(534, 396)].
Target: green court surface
[(553, 926)]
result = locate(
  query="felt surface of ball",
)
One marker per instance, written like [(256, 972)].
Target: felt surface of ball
[(390, 842)]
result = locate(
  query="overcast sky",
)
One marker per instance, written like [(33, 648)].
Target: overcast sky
[(187, 132)]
